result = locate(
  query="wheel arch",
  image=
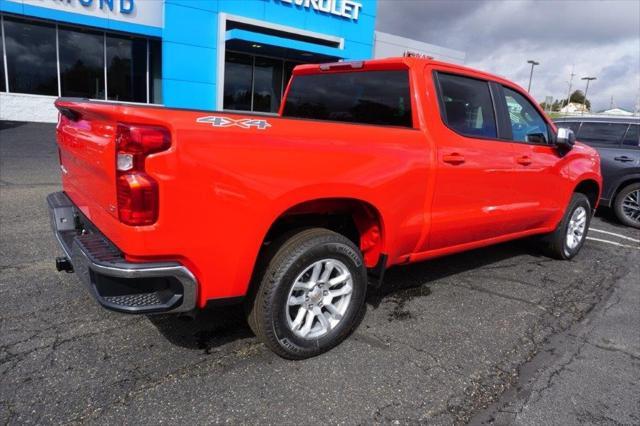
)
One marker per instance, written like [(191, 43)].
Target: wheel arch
[(356, 219), (591, 189), (624, 182)]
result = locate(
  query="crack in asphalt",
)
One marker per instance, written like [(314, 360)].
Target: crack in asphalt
[(612, 348), (502, 295)]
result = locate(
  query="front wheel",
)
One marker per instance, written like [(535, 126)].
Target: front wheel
[(627, 205), (569, 237), (311, 294)]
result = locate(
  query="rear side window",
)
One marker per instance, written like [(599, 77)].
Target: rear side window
[(468, 108), (367, 97), (632, 138), (609, 134)]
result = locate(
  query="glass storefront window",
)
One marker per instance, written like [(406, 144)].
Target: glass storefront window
[(238, 74), (126, 68), (32, 62), (267, 84), (3, 87), (31, 57), (155, 71), (255, 83), (81, 63)]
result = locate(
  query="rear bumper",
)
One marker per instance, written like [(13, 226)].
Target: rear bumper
[(118, 285)]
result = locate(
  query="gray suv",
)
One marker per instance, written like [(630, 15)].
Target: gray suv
[(618, 142)]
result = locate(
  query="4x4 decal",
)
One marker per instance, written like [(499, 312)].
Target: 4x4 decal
[(244, 123)]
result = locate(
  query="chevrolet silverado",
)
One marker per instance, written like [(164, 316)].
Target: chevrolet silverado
[(368, 164)]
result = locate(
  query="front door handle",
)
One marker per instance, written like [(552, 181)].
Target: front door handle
[(624, 159), (454, 159), (525, 160)]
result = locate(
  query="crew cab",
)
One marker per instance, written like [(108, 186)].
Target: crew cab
[(367, 165)]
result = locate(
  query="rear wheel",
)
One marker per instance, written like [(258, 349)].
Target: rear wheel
[(627, 205), (311, 294), (569, 237)]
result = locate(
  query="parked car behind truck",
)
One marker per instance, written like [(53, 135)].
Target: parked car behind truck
[(617, 140), (369, 164)]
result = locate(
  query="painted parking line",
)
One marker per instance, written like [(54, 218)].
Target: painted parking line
[(614, 234), (612, 242)]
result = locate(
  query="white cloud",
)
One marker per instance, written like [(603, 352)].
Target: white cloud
[(599, 38)]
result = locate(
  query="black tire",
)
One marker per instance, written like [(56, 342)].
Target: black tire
[(556, 243), (268, 310), (618, 208)]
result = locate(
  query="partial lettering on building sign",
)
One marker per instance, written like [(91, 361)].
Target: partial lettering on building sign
[(412, 54), (144, 12), (344, 8), (119, 6)]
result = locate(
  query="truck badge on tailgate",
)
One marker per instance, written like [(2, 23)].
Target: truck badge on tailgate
[(244, 123)]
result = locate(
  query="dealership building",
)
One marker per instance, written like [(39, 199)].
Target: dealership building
[(201, 54)]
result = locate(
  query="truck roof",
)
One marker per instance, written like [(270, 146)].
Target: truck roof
[(393, 63)]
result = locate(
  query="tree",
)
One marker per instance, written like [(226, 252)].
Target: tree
[(554, 107), (578, 98)]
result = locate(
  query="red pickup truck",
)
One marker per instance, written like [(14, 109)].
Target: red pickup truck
[(368, 165)]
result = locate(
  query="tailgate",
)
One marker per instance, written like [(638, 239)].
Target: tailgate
[(86, 143)]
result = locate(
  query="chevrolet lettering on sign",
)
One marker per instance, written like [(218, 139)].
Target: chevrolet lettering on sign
[(344, 8)]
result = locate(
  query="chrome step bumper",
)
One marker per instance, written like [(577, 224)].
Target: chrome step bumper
[(118, 285)]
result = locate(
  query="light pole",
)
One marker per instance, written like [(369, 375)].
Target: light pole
[(570, 85), (586, 90), (533, 64)]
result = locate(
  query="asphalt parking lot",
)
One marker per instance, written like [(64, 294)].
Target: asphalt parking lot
[(499, 335)]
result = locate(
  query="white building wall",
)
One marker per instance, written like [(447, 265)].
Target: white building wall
[(388, 45), (21, 107)]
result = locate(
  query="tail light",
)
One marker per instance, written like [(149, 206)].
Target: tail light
[(137, 191)]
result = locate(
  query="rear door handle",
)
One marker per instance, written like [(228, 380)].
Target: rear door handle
[(454, 159), (525, 160), (624, 159)]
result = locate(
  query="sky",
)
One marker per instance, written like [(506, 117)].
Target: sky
[(599, 38)]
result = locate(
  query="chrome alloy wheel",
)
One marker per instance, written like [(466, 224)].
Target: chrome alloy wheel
[(319, 298), (631, 206), (576, 228)]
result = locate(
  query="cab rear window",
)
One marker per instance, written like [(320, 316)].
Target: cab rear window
[(366, 97)]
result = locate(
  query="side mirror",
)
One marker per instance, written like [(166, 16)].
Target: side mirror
[(565, 139)]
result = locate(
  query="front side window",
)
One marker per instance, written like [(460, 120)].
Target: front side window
[(527, 125), (605, 134), (632, 138), (81, 63), (366, 97), (468, 108), (31, 57)]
